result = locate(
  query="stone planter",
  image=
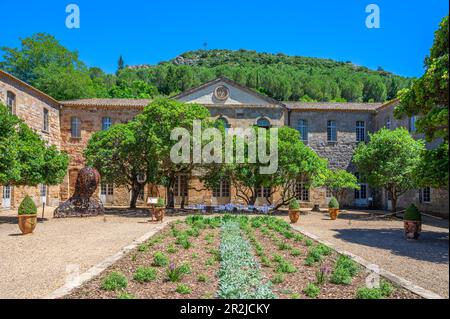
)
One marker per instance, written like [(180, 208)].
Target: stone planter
[(27, 223), (158, 213), (334, 212), (294, 215), (412, 229)]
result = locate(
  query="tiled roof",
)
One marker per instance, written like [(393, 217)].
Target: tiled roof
[(108, 102), (332, 106)]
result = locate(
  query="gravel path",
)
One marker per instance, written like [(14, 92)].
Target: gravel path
[(33, 266), (381, 241)]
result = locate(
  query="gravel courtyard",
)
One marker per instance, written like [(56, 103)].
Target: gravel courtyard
[(33, 266), (380, 241)]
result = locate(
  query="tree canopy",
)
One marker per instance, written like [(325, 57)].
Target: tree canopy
[(25, 158), (390, 160)]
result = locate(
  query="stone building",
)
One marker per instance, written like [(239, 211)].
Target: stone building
[(333, 130)]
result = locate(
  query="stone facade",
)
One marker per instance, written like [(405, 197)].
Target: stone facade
[(239, 107), (29, 104)]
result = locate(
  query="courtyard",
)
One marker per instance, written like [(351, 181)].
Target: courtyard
[(34, 266)]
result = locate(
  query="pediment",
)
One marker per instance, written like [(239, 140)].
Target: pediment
[(223, 91)]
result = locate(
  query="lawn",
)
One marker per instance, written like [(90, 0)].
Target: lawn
[(234, 257)]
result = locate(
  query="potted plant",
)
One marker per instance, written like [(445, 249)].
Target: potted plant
[(333, 208), (159, 210), (412, 222), (294, 211), (27, 214)]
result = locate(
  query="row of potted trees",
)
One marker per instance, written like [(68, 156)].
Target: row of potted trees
[(294, 209)]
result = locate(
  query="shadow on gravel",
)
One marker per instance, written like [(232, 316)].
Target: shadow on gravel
[(431, 246), (13, 220)]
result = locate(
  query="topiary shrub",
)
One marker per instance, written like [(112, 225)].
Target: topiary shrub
[(27, 207), (333, 203), (412, 213), (294, 205), (160, 203)]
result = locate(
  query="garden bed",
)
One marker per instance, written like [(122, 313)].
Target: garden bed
[(235, 257)]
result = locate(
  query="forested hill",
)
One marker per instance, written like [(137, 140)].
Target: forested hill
[(280, 76), (44, 63)]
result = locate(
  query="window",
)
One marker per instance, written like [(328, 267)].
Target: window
[(360, 193), (263, 123), (329, 193), (141, 194), (75, 127), (107, 189), (11, 101), (331, 131), (302, 191), (412, 124), (45, 121), (425, 195), (223, 189), (263, 192), (388, 123), (360, 131), (302, 127), (181, 186), (106, 123)]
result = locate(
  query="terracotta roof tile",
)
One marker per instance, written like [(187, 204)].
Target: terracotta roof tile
[(108, 102), (332, 106)]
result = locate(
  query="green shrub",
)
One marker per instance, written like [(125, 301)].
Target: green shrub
[(125, 295), (160, 203), (324, 250), (175, 274), (277, 258), (265, 261), (294, 205), (185, 269), (309, 242), (309, 261), (312, 291), (278, 279), (144, 274), (183, 241), (344, 270), (368, 293), (202, 278), (27, 207), (210, 261), (295, 296), (333, 203), (193, 232), (295, 252), (171, 249), (298, 238), (285, 267), (143, 247), (114, 281), (183, 289), (386, 288), (283, 246), (160, 260), (412, 213)]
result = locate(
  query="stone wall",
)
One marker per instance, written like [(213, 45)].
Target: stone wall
[(29, 106)]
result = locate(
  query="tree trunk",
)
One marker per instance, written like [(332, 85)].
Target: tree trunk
[(170, 197), (135, 190)]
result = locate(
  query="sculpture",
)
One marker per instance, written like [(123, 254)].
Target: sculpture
[(81, 204)]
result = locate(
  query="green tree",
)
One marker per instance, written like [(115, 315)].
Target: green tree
[(29, 160), (340, 180), (45, 64), (158, 121), (390, 160), (122, 154), (427, 98), (136, 89), (120, 64), (374, 90)]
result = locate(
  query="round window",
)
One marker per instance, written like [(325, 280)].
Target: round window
[(221, 93)]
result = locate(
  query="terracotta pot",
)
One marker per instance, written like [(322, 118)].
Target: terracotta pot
[(334, 212), (294, 215), (27, 223), (412, 228), (158, 213)]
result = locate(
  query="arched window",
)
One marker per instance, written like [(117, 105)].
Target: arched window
[(263, 123), (11, 101), (75, 127)]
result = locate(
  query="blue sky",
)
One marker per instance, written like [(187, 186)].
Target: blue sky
[(146, 32)]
